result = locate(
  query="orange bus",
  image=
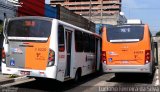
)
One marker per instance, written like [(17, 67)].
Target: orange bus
[(128, 48)]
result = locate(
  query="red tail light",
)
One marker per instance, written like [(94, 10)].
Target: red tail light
[(3, 56), (103, 56), (147, 56), (51, 58)]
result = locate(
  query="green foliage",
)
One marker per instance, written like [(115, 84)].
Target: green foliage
[(13, 76), (1, 25), (158, 34)]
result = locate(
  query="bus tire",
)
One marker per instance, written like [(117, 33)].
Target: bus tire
[(156, 61), (156, 56), (101, 68), (149, 75), (77, 75), (100, 71)]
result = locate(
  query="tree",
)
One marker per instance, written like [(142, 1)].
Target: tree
[(1, 25), (158, 33)]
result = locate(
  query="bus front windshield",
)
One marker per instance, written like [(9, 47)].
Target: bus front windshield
[(29, 28), (125, 34)]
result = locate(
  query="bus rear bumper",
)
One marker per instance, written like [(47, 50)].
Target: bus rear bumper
[(127, 68), (30, 72)]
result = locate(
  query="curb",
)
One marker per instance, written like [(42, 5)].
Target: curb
[(5, 81), (21, 78), (12, 80)]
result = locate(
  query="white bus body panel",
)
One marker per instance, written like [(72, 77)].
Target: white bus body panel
[(36, 73), (128, 68), (54, 46)]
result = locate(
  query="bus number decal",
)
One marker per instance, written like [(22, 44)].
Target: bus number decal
[(124, 30), (40, 49)]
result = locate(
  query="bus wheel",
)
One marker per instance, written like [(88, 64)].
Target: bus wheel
[(100, 71), (149, 75), (78, 75)]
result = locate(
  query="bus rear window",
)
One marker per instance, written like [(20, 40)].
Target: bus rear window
[(29, 28), (125, 34)]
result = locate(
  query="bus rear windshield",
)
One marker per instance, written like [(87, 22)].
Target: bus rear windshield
[(29, 28), (125, 34)]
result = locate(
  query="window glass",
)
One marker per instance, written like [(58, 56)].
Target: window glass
[(78, 41), (61, 44), (92, 43), (125, 34), (86, 42), (29, 28)]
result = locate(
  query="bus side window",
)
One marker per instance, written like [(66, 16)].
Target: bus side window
[(86, 40), (78, 41), (61, 45), (92, 43)]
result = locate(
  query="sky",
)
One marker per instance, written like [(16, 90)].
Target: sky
[(146, 10)]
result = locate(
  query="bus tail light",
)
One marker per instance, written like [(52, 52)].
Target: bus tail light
[(3, 56), (51, 58), (147, 56), (103, 56)]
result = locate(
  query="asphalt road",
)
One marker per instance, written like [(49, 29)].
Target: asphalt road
[(94, 83)]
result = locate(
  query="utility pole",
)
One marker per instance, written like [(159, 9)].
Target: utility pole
[(90, 10), (101, 11), (89, 15)]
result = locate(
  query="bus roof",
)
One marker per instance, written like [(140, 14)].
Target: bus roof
[(50, 19), (126, 25), (78, 28), (31, 17)]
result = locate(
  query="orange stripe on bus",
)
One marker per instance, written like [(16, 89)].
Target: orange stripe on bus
[(37, 56)]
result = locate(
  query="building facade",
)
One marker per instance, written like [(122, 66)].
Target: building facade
[(98, 11), (7, 9)]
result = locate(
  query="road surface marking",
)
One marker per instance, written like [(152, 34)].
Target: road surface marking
[(157, 78)]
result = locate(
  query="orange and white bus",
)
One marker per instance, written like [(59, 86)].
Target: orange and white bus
[(128, 48), (49, 48)]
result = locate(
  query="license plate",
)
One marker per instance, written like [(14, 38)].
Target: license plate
[(125, 62), (25, 72)]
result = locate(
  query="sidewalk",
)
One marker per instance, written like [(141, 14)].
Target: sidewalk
[(4, 79)]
